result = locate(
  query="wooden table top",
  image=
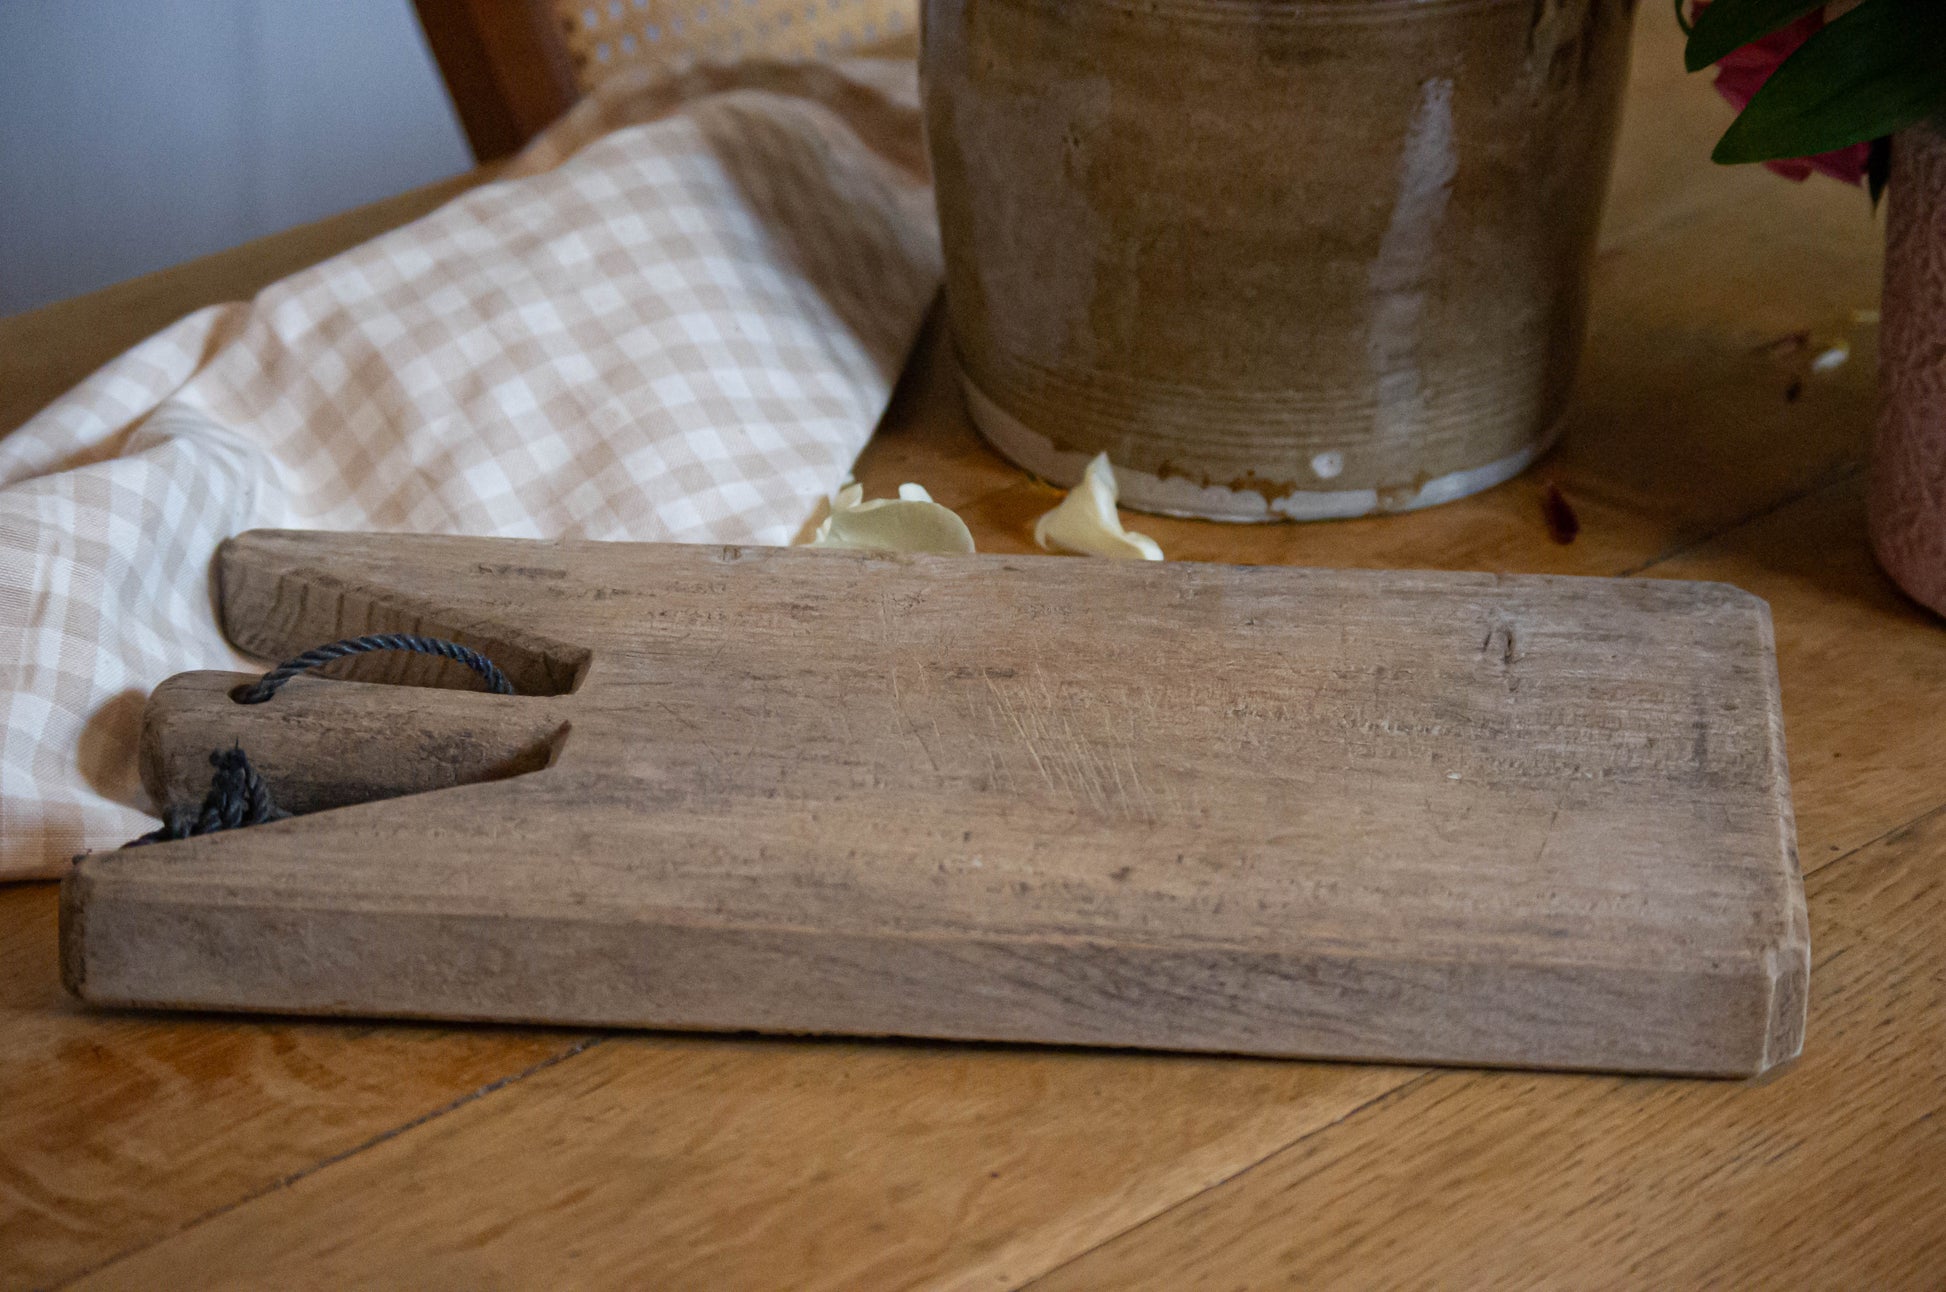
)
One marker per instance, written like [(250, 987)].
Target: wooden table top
[(176, 1151)]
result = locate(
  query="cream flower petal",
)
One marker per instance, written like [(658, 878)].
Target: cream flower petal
[(912, 522), (1086, 523), (847, 497)]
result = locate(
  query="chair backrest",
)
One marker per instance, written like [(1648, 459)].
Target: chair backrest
[(512, 66)]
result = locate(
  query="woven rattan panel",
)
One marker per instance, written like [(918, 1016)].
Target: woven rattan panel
[(607, 36)]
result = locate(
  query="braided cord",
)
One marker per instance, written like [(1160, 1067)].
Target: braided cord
[(237, 797), (269, 684)]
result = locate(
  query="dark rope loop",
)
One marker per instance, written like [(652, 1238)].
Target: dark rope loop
[(237, 797), (266, 686)]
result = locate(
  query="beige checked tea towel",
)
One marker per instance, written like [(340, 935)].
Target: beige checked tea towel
[(677, 316)]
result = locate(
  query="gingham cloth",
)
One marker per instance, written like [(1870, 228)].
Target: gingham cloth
[(677, 317)]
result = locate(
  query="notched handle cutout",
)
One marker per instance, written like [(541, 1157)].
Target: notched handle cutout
[(276, 604)]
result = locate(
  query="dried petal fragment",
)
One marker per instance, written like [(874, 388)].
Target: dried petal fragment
[(1086, 522), (912, 522)]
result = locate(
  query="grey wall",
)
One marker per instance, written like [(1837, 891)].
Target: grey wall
[(138, 133)]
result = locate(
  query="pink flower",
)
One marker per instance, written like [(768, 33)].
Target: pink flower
[(1741, 74)]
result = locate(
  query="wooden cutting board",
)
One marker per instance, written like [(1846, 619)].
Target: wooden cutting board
[(1449, 818)]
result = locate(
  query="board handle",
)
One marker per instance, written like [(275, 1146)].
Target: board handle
[(328, 744)]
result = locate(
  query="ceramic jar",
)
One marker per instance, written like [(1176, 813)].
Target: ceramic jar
[(1278, 258), (1908, 492)]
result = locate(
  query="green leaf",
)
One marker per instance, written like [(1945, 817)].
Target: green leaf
[(1874, 71), (1729, 25)]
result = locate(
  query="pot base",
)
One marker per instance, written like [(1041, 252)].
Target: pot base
[(1181, 496)]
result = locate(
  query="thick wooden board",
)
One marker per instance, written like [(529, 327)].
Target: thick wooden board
[(1422, 817)]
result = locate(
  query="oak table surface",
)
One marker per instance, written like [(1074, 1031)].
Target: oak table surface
[(159, 1151)]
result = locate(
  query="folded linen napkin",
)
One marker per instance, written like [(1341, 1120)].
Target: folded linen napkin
[(677, 316)]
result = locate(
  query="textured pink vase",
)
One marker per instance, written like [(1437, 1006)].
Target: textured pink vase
[(1909, 455)]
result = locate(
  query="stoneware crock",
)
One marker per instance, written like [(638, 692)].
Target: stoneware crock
[(1908, 496), (1278, 258)]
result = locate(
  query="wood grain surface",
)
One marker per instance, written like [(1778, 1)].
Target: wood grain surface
[(1588, 1184), (1427, 817), (155, 1151)]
